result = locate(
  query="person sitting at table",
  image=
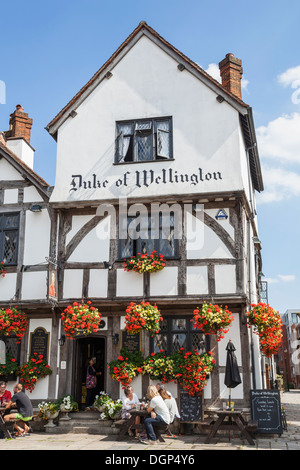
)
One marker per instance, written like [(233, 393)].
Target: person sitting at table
[(5, 395), (25, 411), (159, 414), (129, 402), (159, 387), (170, 402)]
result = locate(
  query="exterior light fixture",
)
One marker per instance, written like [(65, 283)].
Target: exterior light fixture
[(36, 208), (62, 340), (115, 338)]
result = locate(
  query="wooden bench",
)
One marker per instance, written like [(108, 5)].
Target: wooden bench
[(252, 425)]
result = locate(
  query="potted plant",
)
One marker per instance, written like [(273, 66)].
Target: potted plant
[(143, 316), (213, 319), (80, 318), (2, 269), (33, 370), (66, 405), (112, 409), (100, 401), (13, 322), (267, 325), (49, 411), (144, 263)]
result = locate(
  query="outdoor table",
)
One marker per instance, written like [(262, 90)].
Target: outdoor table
[(130, 423), (3, 426), (230, 421)]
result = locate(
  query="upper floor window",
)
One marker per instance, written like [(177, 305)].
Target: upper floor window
[(9, 237), (144, 140), (143, 239)]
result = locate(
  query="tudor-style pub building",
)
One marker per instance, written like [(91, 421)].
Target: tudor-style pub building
[(150, 128)]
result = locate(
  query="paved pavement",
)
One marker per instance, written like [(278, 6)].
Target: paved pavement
[(184, 445)]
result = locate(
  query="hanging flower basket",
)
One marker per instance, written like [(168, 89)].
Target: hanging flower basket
[(126, 367), (159, 367), (80, 318), (9, 369), (33, 370), (144, 263), (192, 370), (13, 322), (143, 316), (267, 325), (213, 319), (2, 269)]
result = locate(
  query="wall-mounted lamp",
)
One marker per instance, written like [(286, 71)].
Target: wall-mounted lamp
[(62, 340), (115, 338), (107, 265), (36, 208)]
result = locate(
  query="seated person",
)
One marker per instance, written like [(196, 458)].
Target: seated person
[(159, 412), (159, 387), (130, 400), (5, 395), (170, 402), (25, 410)]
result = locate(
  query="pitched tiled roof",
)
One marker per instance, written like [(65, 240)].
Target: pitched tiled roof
[(141, 26)]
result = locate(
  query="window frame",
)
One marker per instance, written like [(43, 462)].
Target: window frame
[(137, 244), (3, 230), (189, 331), (153, 131)]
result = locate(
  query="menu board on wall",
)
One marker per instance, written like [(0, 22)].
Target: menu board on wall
[(131, 342)]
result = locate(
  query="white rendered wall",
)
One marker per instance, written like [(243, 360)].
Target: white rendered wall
[(147, 83)]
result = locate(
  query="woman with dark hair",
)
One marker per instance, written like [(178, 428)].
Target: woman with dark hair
[(91, 383)]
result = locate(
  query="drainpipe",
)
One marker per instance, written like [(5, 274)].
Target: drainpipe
[(249, 262)]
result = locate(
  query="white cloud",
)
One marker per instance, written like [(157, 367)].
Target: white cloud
[(291, 77), (280, 139), (287, 277), (280, 277), (279, 184)]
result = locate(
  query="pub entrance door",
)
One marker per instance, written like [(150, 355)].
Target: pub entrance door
[(86, 348)]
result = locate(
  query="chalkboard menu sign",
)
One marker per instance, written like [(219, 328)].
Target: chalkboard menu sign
[(190, 407), (39, 342), (131, 342), (266, 409)]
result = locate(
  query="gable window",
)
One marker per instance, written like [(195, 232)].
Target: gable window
[(165, 242), (144, 140), (9, 237)]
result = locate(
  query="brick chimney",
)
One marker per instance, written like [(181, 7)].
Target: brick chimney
[(20, 124), (18, 136), (231, 72)]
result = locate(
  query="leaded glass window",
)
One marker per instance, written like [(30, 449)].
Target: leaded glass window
[(9, 237), (166, 243), (144, 140), (176, 333)]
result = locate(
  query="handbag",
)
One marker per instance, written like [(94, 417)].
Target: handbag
[(91, 380)]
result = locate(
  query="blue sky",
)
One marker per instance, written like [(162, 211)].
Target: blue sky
[(49, 50)]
